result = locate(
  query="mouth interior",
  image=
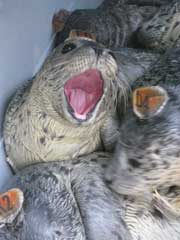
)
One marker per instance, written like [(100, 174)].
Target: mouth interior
[(83, 92)]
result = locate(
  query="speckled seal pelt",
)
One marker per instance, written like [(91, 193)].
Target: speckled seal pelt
[(65, 200), (146, 166), (113, 22), (62, 112), (116, 23)]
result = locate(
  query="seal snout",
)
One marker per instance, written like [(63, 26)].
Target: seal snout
[(83, 92)]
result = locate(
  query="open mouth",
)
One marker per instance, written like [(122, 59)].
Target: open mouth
[(83, 92)]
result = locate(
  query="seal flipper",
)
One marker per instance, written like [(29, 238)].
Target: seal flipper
[(11, 203)]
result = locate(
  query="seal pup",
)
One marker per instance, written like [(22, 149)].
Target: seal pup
[(62, 200), (63, 111), (150, 24), (146, 165), (113, 22)]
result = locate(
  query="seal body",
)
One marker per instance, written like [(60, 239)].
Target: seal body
[(54, 117), (148, 158), (113, 22), (66, 200), (150, 24)]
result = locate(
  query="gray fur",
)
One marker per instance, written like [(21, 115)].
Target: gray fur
[(67, 200), (153, 24), (147, 158), (162, 31), (38, 125), (113, 22)]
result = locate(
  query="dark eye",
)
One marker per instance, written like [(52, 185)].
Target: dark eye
[(68, 47)]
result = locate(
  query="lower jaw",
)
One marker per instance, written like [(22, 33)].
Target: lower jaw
[(80, 116)]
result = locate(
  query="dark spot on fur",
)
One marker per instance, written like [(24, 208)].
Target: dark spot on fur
[(125, 197), (176, 24), (171, 39), (165, 164), (116, 234), (64, 170), (178, 154), (102, 156), (147, 170), (131, 200), (149, 27), (20, 118), (153, 165), (42, 140), (58, 233), (44, 115), (130, 169), (94, 160), (109, 181), (139, 213), (92, 195), (157, 214), (74, 209), (157, 151), (60, 137), (73, 183), (23, 101), (103, 165), (28, 113), (24, 133), (89, 194), (50, 84), (34, 177), (134, 163), (92, 184), (76, 162), (45, 130)]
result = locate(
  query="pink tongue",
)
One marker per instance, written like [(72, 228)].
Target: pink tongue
[(80, 100), (83, 92)]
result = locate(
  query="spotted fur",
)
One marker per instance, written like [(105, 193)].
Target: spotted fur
[(113, 23), (148, 159), (163, 30), (67, 200), (38, 126)]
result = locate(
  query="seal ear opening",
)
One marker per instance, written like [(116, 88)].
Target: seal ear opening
[(59, 20), (149, 101), (11, 203), (78, 34)]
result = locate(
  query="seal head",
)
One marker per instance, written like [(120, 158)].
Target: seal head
[(80, 82)]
